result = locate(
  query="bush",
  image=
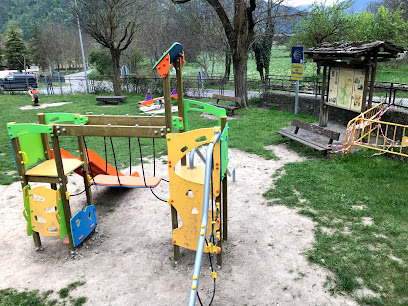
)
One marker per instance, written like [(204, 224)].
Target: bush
[(102, 60)]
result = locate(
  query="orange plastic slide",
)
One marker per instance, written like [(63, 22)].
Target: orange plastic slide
[(96, 163)]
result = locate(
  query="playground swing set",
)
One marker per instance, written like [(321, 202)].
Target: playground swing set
[(192, 189)]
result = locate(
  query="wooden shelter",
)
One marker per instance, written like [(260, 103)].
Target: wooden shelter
[(349, 69)]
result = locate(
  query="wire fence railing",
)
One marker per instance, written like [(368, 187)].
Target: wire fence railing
[(392, 93)]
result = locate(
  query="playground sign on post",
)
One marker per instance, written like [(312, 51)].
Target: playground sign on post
[(297, 71)]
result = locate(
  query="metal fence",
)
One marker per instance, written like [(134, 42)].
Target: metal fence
[(390, 92)]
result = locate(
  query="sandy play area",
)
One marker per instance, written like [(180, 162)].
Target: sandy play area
[(128, 260)]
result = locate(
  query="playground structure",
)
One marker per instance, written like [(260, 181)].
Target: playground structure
[(33, 92), (368, 131), (47, 210)]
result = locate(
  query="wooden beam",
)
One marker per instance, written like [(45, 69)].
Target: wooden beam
[(126, 120), (224, 219), (110, 131), (180, 98), (24, 182), (167, 102), (174, 225), (44, 137), (63, 187), (372, 82), (365, 89), (42, 179), (84, 157), (324, 114)]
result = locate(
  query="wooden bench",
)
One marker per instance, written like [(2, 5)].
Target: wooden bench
[(315, 129), (236, 100), (110, 99)]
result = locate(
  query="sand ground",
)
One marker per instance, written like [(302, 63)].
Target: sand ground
[(128, 260)]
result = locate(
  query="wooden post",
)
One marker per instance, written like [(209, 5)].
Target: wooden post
[(46, 144), (169, 126), (372, 81), (24, 182), (63, 186), (167, 102), (223, 206), (224, 209), (174, 224), (84, 157), (366, 76), (324, 110), (44, 137), (180, 98)]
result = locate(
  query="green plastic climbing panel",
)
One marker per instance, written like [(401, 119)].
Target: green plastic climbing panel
[(32, 145), (191, 105), (26, 211), (64, 118), (17, 129)]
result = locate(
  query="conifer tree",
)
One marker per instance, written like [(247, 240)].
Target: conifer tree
[(15, 51)]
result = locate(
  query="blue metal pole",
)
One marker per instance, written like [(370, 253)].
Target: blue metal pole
[(204, 220)]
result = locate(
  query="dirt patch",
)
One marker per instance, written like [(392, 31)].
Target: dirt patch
[(129, 259), (43, 105), (156, 109)]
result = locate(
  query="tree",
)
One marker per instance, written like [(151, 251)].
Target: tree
[(1, 50), (112, 24), (102, 60), (384, 25), (392, 5), (263, 43), (324, 24), (240, 34), (15, 49)]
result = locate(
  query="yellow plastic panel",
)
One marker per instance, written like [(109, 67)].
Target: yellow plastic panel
[(187, 186), (49, 169), (43, 211)]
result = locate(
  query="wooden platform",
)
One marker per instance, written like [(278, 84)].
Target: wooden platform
[(125, 181), (49, 169)]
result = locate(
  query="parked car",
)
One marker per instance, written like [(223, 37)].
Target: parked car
[(18, 81)]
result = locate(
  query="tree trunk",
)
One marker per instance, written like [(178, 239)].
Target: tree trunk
[(240, 63), (117, 88), (227, 65)]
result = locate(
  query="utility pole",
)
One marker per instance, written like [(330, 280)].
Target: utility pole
[(82, 50)]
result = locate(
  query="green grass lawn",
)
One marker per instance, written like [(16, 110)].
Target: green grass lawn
[(358, 202), (281, 62), (280, 65), (359, 205)]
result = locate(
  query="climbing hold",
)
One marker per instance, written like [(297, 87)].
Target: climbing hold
[(202, 226), (193, 287), (202, 233), (195, 277)]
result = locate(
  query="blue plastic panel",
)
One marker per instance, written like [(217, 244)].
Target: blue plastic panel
[(82, 224)]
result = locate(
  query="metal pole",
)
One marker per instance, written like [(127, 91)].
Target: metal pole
[(204, 220), (297, 97), (82, 50)]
